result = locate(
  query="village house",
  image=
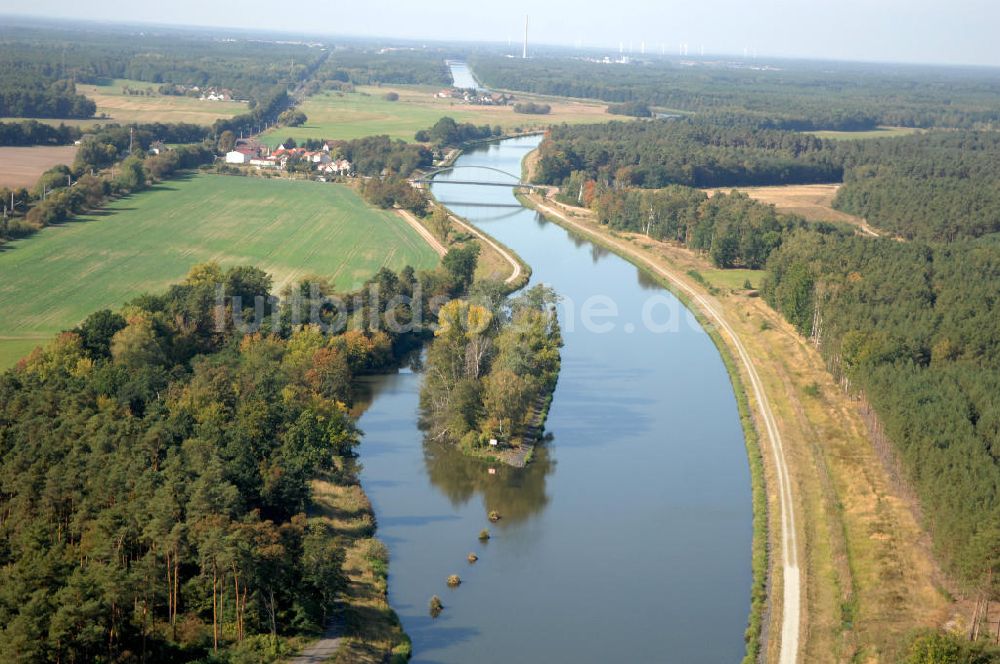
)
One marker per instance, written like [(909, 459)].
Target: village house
[(318, 157), (340, 167), (213, 94), (264, 162), (250, 152), (238, 157)]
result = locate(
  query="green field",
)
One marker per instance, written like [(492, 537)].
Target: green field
[(733, 279), (367, 113), (881, 132), (290, 228)]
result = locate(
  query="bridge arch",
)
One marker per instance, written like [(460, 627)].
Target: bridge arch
[(427, 177)]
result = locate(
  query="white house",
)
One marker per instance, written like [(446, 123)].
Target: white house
[(267, 162), (317, 157), (338, 167), (237, 157)]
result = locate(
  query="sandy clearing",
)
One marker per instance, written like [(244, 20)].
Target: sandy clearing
[(21, 166), (812, 201)]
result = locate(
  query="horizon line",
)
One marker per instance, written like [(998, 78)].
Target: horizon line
[(612, 48)]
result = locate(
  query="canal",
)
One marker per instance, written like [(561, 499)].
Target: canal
[(462, 76), (628, 538)]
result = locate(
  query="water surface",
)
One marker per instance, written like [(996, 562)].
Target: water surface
[(628, 538), (462, 76)]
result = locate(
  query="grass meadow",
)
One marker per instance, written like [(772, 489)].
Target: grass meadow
[(290, 228), (733, 279), (878, 132), (366, 112)]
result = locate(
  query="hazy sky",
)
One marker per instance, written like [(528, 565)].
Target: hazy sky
[(954, 31)]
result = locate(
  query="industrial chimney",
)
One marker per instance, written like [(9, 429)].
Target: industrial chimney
[(524, 54)]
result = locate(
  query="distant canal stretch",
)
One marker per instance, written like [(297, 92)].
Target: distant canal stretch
[(462, 76), (627, 539)]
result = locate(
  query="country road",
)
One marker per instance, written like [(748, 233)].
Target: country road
[(514, 264), (791, 597), (423, 232), (321, 650), (441, 250)]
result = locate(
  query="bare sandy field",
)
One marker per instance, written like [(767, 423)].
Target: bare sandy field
[(812, 201), (20, 167)]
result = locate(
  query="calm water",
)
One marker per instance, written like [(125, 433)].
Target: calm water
[(628, 538), (462, 76)]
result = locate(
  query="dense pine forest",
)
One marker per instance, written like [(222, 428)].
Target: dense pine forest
[(784, 95), (692, 152), (32, 132), (914, 327), (40, 65), (940, 185), (936, 186), (25, 97), (155, 467), (358, 65), (250, 68)]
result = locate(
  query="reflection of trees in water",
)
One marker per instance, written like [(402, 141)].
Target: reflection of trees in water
[(516, 493), (645, 281), (597, 252), (365, 389), (363, 393), (577, 240)]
